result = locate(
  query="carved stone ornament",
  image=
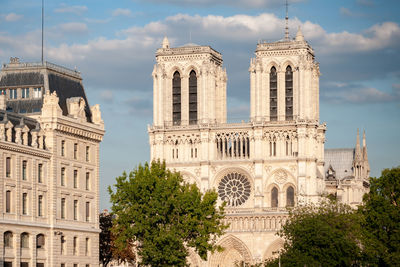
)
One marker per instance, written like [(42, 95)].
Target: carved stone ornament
[(280, 176)]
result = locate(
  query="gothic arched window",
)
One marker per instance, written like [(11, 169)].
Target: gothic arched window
[(176, 98), (289, 93), (290, 197), (273, 94), (274, 197), (192, 97)]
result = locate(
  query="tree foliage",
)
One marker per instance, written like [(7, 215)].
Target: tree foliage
[(327, 234), (161, 216), (107, 251), (105, 244), (381, 211)]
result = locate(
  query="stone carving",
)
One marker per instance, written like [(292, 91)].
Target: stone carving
[(280, 176)]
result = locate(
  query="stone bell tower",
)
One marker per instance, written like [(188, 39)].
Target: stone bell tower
[(189, 86), (284, 81)]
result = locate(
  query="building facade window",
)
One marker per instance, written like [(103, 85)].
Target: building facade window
[(24, 167), (75, 151), (274, 197), (289, 93), (63, 208), (40, 205), (273, 95), (87, 153), (37, 92), (290, 196), (8, 167), (192, 97), (24, 240), (75, 245), (62, 176), (8, 264), (62, 241), (13, 94), (63, 148), (3, 92), (75, 210), (24, 203), (40, 242), (40, 173), (75, 178), (8, 201), (25, 92), (176, 98), (87, 246), (8, 239), (87, 183), (87, 211)]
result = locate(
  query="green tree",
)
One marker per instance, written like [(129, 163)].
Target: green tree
[(381, 212), (107, 250), (327, 234), (105, 244), (162, 216)]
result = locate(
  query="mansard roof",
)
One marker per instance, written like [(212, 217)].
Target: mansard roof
[(67, 83), (341, 161)]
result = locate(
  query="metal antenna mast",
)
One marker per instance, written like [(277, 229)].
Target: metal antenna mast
[(287, 21), (42, 28)]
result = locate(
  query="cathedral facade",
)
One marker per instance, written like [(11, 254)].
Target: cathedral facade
[(260, 167), (49, 166)]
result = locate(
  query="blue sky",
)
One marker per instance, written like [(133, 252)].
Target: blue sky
[(113, 43)]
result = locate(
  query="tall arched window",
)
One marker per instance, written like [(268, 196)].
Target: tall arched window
[(8, 239), (273, 95), (289, 93), (192, 97), (40, 241), (24, 240), (176, 98), (290, 197), (274, 197)]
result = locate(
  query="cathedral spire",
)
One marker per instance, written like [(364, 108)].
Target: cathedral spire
[(287, 21), (358, 149), (365, 153)]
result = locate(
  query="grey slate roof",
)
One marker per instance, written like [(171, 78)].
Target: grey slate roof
[(341, 160), (21, 79), (65, 87)]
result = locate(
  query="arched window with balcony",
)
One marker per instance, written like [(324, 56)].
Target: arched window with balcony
[(290, 196), (176, 98), (274, 197), (192, 97), (289, 93), (273, 94)]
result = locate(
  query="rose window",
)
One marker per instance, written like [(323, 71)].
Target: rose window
[(234, 188)]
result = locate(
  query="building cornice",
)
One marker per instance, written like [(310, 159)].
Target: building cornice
[(25, 149)]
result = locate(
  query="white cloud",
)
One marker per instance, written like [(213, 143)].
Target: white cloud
[(78, 10), (238, 3), (354, 93), (121, 12), (73, 27), (11, 17)]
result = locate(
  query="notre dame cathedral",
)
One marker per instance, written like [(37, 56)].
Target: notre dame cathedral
[(260, 167)]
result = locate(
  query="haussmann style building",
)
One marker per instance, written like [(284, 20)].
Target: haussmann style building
[(275, 160), (49, 166)]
